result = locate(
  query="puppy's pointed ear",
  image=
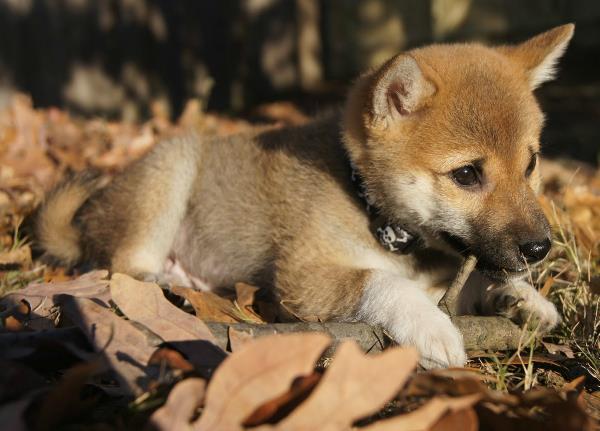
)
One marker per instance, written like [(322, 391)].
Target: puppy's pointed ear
[(400, 88), (540, 54)]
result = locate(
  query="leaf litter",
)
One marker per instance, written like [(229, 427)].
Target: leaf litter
[(75, 346)]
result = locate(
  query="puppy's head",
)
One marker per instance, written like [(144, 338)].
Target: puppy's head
[(447, 139)]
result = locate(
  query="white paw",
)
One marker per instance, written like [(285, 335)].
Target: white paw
[(523, 304), (410, 317), (438, 341)]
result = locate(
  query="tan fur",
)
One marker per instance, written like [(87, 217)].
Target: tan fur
[(278, 208)]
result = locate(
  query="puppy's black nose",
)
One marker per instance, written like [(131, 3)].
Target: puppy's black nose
[(536, 250)]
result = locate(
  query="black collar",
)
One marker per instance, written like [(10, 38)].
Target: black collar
[(392, 236)]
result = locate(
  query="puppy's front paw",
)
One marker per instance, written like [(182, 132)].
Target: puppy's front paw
[(438, 341), (523, 304)]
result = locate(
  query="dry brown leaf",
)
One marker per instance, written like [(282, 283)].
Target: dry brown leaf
[(556, 348), (257, 373), (208, 306), (64, 400), (278, 407), (171, 358), (433, 384), (245, 299), (126, 347), (12, 324), (591, 403), (575, 384), (19, 258), (463, 420), (146, 304), (458, 373), (13, 318), (536, 358), (354, 386), (41, 297), (427, 416), (183, 401), (237, 338), (559, 416)]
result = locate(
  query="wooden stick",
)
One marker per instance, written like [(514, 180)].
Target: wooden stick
[(479, 332), (449, 302)]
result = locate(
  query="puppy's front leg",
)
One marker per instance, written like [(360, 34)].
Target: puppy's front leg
[(403, 309), (520, 302)]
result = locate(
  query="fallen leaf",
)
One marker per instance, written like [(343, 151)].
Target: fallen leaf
[(354, 386), (126, 347), (463, 420), (278, 407), (536, 358), (427, 416), (146, 304), (172, 358), (183, 401), (245, 300), (556, 348), (237, 338), (64, 400), (433, 384), (12, 324), (564, 416), (258, 372), (41, 297), (13, 318), (575, 384), (208, 306), (591, 403)]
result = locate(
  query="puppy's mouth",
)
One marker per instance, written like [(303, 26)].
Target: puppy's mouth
[(484, 265)]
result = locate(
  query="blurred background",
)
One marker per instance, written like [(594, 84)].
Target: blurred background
[(118, 59)]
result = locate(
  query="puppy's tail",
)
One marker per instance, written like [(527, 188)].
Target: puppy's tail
[(54, 226)]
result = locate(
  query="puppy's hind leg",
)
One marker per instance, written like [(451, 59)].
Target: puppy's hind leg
[(154, 195)]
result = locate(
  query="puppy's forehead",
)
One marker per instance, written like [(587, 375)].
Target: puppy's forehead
[(483, 98)]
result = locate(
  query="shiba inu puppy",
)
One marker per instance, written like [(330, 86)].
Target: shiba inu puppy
[(361, 215)]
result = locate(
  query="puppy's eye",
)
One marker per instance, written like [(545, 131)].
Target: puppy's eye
[(466, 176), (531, 165)]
